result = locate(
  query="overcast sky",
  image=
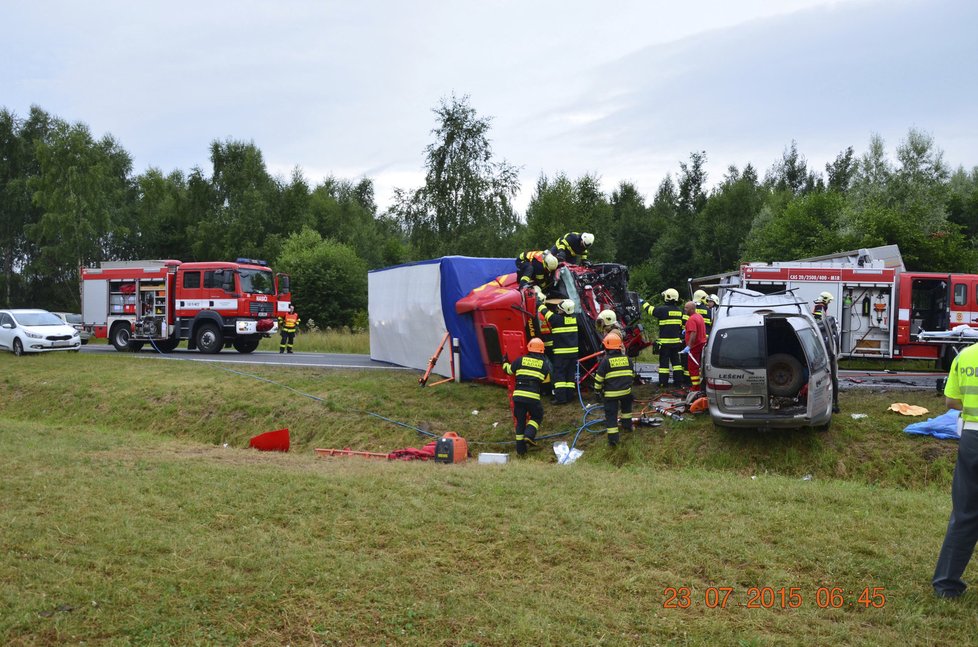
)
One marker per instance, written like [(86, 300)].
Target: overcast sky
[(625, 90)]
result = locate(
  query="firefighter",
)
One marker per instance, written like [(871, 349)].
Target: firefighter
[(563, 333), (287, 326), (670, 342), (532, 371), (703, 307), (572, 247), (695, 341), (821, 305), (607, 322), (713, 303), (613, 385), (536, 268)]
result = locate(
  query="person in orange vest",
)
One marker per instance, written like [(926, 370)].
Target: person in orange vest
[(287, 326)]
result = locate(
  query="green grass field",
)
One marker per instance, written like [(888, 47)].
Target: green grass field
[(126, 520)]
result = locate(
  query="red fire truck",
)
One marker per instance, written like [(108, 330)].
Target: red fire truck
[(883, 310), (211, 305)]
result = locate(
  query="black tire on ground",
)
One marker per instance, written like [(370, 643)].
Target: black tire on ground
[(210, 339), (120, 336), (135, 346), (785, 375), (18, 347), (84, 341), (167, 345), (245, 345)]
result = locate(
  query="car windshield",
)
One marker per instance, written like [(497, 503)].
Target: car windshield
[(73, 318), (38, 319), (257, 282), (739, 348)]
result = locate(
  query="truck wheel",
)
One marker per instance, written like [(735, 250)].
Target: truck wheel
[(210, 340), (120, 336), (167, 345), (245, 345), (785, 375)]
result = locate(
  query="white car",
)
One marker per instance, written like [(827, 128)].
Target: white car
[(35, 331)]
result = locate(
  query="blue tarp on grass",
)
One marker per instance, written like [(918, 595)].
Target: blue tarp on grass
[(943, 426)]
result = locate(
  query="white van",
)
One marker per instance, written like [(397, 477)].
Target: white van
[(769, 363)]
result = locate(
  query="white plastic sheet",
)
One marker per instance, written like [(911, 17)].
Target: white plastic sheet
[(406, 320)]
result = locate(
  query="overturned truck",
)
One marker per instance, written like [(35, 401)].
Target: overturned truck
[(505, 317)]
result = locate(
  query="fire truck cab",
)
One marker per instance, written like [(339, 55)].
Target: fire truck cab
[(211, 305)]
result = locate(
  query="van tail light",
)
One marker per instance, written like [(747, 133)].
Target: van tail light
[(719, 385)]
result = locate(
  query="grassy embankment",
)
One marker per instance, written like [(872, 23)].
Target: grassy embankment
[(126, 520)]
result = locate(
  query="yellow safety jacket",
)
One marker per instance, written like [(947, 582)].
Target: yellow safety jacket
[(289, 322), (962, 382)]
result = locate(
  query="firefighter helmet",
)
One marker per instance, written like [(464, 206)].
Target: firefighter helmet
[(608, 317), (826, 297), (612, 341), (699, 296), (567, 306), (587, 239), (672, 294), (714, 299), (535, 345), (550, 261)]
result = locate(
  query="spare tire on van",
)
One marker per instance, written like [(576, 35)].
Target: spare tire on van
[(785, 375)]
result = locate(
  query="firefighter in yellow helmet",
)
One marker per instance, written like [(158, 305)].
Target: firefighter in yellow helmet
[(613, 385), (670, 341), (821, 305), (532, 371), (287, 326)]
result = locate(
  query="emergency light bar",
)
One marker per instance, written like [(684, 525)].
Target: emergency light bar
[(251, 261)]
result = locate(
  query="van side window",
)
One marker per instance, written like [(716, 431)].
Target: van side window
[(960, 294), (191, 279), (739, 348), (813, 349)]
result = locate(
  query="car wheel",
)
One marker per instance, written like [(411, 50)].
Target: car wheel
[(209, 339), (121, 334), (18, 347), (785, 375)]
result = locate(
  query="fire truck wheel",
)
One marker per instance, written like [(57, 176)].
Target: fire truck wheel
[(209, 339), (245, 345), (785, 375), (167, 345), (120, 337)]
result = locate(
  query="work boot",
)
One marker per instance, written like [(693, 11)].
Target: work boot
[(289, 351), (613, 439), (521, 448), (281, 350)]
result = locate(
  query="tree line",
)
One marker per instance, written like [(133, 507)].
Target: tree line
[(70, 199)]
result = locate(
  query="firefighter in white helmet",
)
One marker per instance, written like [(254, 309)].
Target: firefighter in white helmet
[(572, 247), (670, 341), (536, 268), (607, 322), (563, 348)]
